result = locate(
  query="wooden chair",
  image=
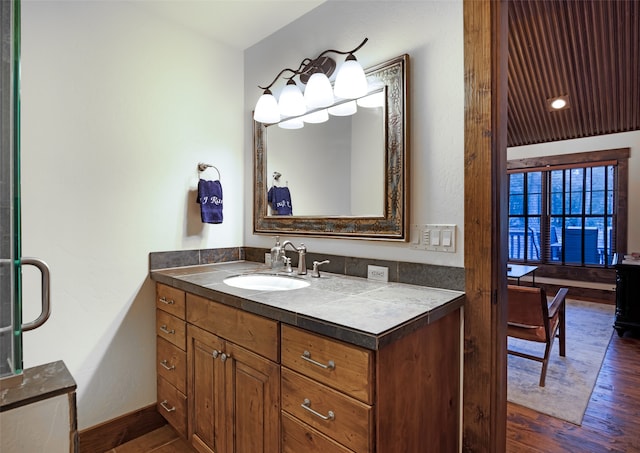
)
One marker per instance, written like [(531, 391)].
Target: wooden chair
[(532, 318)]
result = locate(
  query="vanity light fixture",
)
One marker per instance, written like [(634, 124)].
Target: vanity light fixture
[(293, 123), (291, 102), (558, 103), (350, 83), (319, 116), (344, 109)]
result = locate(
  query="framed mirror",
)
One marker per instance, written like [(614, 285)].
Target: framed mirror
[(347, 177)]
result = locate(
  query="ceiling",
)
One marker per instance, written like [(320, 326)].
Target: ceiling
[(588, 50), (237, 23)]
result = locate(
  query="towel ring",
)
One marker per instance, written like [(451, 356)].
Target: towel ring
[(202, 167), (276, 178)]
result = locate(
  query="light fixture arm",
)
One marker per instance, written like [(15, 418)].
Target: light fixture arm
[(348, 52), (307, 63), (295, 72)]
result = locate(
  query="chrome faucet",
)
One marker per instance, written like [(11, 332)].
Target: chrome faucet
[(302, 256)]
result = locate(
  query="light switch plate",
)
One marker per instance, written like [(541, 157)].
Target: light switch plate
[(434, 237)]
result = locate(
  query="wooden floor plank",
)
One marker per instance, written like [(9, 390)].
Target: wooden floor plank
[(162, 440)]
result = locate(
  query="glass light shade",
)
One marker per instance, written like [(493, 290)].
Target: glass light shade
[(373, 100), (291, 102), (266, 110), (316, 117), (351, 82), (318, 93), (294, 123), (345, 109)]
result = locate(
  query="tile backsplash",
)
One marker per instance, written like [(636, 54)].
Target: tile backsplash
[(435, 276)]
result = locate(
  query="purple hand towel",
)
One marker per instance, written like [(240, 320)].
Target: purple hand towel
[(210, 199), (280, 200)]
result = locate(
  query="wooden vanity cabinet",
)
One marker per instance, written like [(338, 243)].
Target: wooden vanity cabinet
[(252, 384), (234, 392), (171, 356), (404, 397)]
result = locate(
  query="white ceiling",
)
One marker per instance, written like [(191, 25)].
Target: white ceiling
[(238, 23)]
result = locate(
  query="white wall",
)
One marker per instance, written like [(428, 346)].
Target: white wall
[(602, 142), (431, 32), (118, 107)]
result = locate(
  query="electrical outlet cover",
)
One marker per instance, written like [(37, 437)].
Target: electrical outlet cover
[(378, 273)]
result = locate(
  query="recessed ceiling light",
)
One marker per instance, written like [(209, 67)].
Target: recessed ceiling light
[(558, 103)]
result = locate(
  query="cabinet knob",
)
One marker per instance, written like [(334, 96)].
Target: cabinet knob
[(216, 353), (225, 357)]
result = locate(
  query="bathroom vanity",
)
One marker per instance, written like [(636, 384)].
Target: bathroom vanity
[(342, 365)]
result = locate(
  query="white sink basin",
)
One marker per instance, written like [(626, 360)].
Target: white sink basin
[(266, 282)]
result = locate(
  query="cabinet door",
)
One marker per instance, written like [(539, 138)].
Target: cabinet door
[(206, 391), (234, 397), (253, 396)]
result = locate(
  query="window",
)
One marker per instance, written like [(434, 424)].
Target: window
[(568, 213)]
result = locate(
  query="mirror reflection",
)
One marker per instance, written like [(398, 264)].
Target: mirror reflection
[(333, 168)]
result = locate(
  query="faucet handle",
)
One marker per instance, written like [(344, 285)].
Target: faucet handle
[(316, 272)]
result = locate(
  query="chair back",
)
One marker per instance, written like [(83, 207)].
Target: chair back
[(527, 306)]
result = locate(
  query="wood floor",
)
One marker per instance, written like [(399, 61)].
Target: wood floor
[(162, 440), (610, 423)]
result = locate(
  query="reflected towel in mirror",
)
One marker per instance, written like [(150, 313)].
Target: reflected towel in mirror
[(280, 200), (210, 199)]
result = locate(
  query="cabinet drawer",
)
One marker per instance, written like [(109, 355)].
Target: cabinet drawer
[(350, 422), (171, 329), (171, 364), (258, 334), (170, 300), (342, 366), (298, 437), (172, 404)]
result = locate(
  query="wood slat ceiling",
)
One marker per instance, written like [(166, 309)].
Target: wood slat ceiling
[(588, 50)]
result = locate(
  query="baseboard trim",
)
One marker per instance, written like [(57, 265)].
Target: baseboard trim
[(110, 434)]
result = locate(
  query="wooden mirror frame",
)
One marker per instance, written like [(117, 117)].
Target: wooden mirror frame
[(393, 225)]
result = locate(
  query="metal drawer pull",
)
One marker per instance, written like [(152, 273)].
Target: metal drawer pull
[(224, 357), (165, 330), (306, 355), (307, 406), (164, 300), (164, 406), (215, 353), (165, 365)]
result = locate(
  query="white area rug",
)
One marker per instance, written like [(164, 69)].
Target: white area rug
[(570, 379)]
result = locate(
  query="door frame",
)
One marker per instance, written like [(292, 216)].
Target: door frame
[(485, 255)]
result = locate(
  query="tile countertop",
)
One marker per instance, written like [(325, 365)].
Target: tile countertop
[(366, 313)]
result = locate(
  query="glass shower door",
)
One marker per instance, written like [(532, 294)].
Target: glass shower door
[(11, 260), (10, 249)]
